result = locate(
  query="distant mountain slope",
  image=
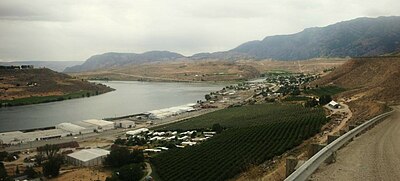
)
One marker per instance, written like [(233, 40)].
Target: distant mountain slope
[(354, 38), (358, 37), (375, 78), (29, 86), (58, 66), (371, 84), (108, 60)]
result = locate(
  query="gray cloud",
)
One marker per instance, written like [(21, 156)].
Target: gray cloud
[(75, 30)]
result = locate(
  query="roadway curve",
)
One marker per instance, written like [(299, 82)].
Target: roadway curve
[(374, 155)]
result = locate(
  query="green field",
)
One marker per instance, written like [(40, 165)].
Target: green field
[(44, 99), (254, 135), (328, 90), (296, 98)]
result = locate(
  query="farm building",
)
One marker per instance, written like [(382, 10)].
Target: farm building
[(101, 124), (88, 157), (16, 137), (46, 134), (95, 125), (73, 129), (136, 132), (124, 124), (334, 104), (172, 111), (12, 138)]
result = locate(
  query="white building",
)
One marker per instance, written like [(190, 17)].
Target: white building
[(96, 124), (172, 111), (74, 129), (334, 104), (86, 125), (124, 124), (136, 132), (88, 157), (46, 134), (12, 137), (16, 137)]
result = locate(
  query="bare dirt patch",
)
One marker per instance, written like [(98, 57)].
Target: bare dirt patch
[(83, 174)]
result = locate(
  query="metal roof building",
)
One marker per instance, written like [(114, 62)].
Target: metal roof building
[(136, 132), (101, 124), (88, 157), (12, 137), (16, 137), (73, 128)]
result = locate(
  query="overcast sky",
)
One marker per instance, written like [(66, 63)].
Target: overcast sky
[(75, 30)]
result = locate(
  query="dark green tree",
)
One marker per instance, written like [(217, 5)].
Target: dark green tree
[(132, 172), (39, 158), (120, 141), (217, 128), (31, 173), (3, 173), (17, 171), (120, 156), (51, 168), (3, 155), (325, 99), (207, 97), (50, 150), (311, 103)]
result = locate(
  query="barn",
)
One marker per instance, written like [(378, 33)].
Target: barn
[(88, 157)]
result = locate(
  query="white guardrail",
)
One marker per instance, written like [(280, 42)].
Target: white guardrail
[(308, 168)]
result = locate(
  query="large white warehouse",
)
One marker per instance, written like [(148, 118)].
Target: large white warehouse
[(17, 137), (95, 124), (172, 111), (74, 129), (101, 124), (136, 132), (88, 157)]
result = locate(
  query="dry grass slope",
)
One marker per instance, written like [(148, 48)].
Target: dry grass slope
[(372, 83), (208, 70), (16, 84)]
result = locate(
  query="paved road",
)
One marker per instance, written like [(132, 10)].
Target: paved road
[(373, 156)]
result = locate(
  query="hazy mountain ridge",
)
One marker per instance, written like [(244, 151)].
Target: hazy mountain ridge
[(354, 38), (113, 59)]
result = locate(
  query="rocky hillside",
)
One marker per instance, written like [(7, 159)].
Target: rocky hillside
[(354, 38), (110, 60), (33, 83), (371, 83)]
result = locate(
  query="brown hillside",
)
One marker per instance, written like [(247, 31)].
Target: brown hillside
[(23, 83), (372, 84), (378, 79), (210, 70)]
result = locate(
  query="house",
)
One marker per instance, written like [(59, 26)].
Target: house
[(334, 105)]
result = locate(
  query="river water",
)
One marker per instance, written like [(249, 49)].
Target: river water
[(130, 97)]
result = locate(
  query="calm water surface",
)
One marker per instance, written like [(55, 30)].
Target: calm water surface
[(130, 97)]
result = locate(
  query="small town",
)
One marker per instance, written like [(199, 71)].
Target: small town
[(87, 143)]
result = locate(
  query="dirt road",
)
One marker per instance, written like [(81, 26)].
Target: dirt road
[(374, 155)]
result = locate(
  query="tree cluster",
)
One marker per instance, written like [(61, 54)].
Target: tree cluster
[(128, 164)]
